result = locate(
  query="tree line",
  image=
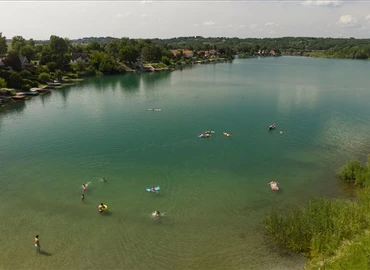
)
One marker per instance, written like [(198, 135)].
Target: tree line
[(109, 55), (52, 59)]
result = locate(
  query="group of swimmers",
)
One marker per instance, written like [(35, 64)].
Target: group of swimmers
[(207, 134), (102, 207)]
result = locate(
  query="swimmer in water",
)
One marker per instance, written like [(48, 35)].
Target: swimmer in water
[(156, 213), (281, 132), (104, 180), (83, 197), (101, 207), (153, 189), (84, 187)]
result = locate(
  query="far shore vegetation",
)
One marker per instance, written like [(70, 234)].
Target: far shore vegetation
[(332, 233), (36, 65)]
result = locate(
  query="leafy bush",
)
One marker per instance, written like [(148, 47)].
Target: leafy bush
[(354, 172), (25, 74), (2, 83), (15, 80), (349, 170), (166, 60), (52, 66), (29, 83), (43, 69), (44, 77)]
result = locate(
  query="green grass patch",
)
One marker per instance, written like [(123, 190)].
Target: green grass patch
[(159, 65), (354, 254)]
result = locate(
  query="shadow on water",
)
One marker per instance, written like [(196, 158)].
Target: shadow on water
[(153, 79), (45, 97), (65, 93), (108, 213), (12, 109), (102, 82), (45, 253), (130, 82)]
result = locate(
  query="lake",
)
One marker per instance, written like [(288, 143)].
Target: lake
[(214, 192)]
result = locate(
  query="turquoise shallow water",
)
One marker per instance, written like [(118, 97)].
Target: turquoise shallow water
[(214, 192)]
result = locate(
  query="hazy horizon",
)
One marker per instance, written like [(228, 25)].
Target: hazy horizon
[(168, 19)]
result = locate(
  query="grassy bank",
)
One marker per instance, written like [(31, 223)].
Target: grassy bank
[(327, 231)]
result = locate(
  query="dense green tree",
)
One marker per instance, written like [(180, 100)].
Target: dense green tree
[(28, 51), (52, 66), (3, 45), (93, 46), (76, 49), (58, 75), (80, 66), (30, 42), (102, 62), (59, 52), (13, 60), (44, 77), (15, 80), (25, 74), (151, 53), (129, 54), (3, 83), (58, 45), (45, 55), (106, 65), (166, 60), (112, 48), (18, 42)]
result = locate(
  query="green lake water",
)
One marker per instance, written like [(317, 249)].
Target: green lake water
[(214, 192)]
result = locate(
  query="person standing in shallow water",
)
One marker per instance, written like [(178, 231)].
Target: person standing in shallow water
[(37, 243), (83, 197)]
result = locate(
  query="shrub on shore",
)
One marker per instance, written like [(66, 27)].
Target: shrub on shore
[(355, 173)]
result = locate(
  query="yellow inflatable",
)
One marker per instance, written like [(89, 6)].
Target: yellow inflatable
[(105, 208)]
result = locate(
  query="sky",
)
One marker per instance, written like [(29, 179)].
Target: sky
[(166, 19)]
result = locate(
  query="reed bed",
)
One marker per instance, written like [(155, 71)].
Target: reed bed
[(325, 226)]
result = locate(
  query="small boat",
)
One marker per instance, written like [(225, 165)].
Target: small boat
[(19, 97), (54, 83), (30, 93), (274, 186), (39, 90)]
